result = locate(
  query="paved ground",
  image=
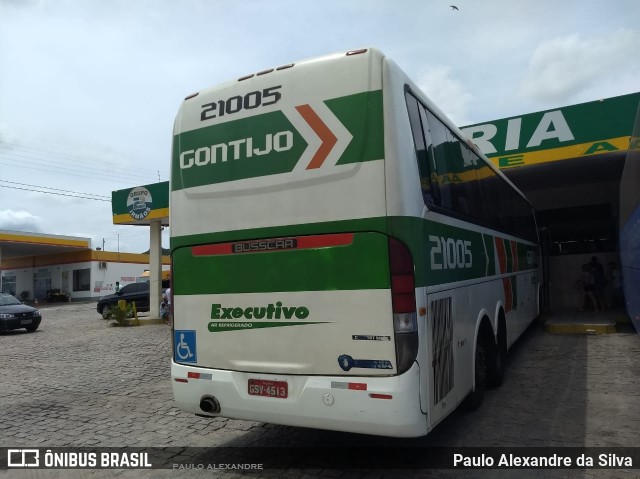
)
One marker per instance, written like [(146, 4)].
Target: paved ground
[(79, 382)]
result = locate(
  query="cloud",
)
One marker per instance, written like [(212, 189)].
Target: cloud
[(20, 221), (564, 67), (448, 93)]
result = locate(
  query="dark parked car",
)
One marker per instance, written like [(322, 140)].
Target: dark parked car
[(16, 315), (138, 292)]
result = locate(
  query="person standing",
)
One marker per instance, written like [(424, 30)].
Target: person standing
[(599, 282), (167, 300), (616, 285), (586, 281), (164, 309)]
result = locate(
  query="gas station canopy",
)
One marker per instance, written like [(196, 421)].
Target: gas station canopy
[(16, 244)]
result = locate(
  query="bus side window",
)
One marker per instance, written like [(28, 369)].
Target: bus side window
[(469, 188), (414, 108), (490, 195), (430, 159), (438, 149), (462, 174)]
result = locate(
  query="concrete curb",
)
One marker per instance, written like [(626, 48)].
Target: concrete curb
[(584, 327), (143, 321)]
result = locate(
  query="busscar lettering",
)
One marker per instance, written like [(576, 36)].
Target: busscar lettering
[(264, 245)]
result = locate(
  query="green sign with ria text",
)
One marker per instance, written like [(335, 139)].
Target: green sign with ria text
[(574, 131)]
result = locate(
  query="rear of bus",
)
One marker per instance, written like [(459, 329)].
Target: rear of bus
[(292, 302)]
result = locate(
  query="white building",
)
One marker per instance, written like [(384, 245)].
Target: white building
[(33, 264)]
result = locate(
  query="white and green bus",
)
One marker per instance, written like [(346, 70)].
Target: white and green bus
[(343, 258)]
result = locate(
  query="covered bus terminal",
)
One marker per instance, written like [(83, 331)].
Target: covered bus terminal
[(579, 165)]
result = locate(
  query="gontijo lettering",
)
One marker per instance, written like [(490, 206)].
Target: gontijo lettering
[(240, 149), (270, 311)]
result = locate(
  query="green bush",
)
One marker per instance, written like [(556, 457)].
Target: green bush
[(123, 311)]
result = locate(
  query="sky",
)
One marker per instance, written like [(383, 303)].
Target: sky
[(89, 89)]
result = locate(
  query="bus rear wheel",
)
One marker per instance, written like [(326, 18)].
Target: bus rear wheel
[(475, 397), (497, 358)]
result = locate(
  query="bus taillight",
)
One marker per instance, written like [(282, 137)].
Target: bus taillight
[(403, 294), (403, 301)]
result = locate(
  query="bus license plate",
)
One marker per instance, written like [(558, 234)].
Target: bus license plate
[(265, 387)]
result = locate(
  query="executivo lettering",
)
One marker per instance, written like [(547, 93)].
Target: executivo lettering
[(270, 311)]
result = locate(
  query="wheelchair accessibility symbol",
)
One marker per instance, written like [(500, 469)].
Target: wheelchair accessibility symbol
[(185, 346)]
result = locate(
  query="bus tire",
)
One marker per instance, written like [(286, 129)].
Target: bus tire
[(498, 357), (475, 397)]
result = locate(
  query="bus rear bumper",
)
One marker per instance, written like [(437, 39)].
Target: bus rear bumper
[(389, 406)]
